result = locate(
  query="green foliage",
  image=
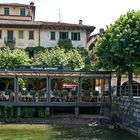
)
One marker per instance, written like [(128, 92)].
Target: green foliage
[(137, 71), (85, 55), (59, 57), (28, 112), (87, 61), (8, 112), (83, 51), (118, 49), (9, 59), (65, 44), (35, 49), (53, 57), (41, 112), (74, 60)]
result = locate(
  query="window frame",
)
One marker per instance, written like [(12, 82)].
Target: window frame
[(75, 36), (61, 35), (22, 12), (0, 34), (6, 11), (52, 36), (31, 35), (21, 36)]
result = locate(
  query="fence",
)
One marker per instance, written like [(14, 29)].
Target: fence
[(124, 90)]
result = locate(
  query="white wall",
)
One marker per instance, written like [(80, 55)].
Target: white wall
[(45, 39)]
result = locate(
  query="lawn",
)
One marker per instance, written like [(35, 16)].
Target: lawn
[(60, 132)]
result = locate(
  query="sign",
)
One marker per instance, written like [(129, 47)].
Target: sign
[(42, 68)]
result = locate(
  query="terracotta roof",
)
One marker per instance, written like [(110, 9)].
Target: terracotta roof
[(44, 25), (18, 22), (14, 4), (66, 25)]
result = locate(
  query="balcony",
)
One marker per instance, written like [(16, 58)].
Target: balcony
[(10, 42)]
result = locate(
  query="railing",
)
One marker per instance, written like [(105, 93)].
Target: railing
[(29, 97), (124, 90), (9, 41), (65, 98)]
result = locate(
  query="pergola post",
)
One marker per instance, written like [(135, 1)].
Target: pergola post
[(18, 111), (16, 89), (48, 111), (76, 109), (79, 90), (48, 89), (109, 89)]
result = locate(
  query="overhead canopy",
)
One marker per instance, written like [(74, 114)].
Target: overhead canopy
[(54, 73)]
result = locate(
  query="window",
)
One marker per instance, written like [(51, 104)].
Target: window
[(21, 34), (31, 54), (10, 35), (63, 35), (52, 35), (22, 12), (0, 34), (6, 11), (31, 35), (75, 36)]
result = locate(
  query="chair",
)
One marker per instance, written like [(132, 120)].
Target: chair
[(6, 96)]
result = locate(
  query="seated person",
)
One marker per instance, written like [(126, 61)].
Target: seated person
[(69, 95)]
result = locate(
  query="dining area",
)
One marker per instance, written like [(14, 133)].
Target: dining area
[(7, 96)]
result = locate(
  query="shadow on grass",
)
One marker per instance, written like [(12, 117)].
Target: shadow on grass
[(83, 132), (61, 132)]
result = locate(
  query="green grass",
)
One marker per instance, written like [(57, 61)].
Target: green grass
[(60, 132)]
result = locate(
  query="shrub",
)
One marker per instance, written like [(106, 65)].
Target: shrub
[(41, 112), (28, 112), (8, 112)]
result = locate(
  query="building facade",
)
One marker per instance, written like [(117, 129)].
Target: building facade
[(18, 29), (51, 32), (18, 34), (15, 11)]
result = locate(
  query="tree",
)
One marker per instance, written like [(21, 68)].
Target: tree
[(53, 57), (74, 60), (9, 59), (58, 57), (119, 48), (85, 55)]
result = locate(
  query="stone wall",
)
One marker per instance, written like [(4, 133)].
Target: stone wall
[(126, 113)]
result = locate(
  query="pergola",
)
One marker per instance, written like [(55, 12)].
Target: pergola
[(50, 74)]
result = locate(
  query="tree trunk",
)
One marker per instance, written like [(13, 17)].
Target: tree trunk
[(130, 78), (118, 84)]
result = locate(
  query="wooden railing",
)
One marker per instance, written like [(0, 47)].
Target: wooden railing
[(12, 97)]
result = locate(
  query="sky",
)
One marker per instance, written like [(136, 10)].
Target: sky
[(98, 13)]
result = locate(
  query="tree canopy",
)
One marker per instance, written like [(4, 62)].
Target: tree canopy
[(9, 59), (119, 48), (59, 57)]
